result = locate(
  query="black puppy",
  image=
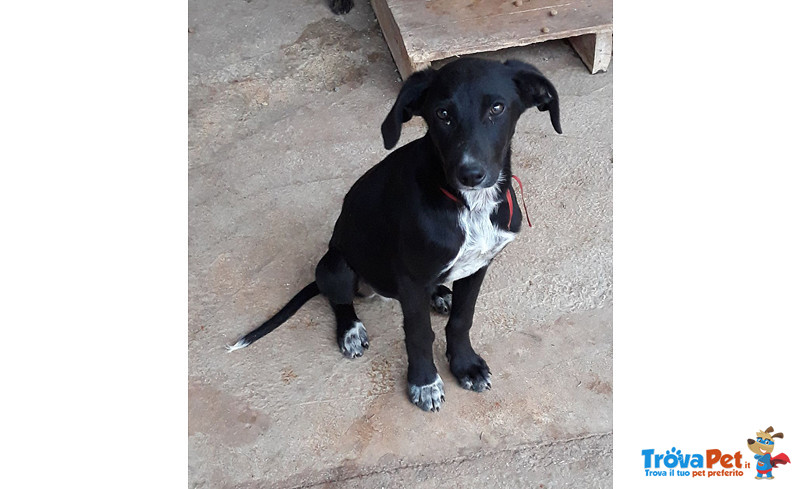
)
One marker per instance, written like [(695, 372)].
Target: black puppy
[(436, 210)]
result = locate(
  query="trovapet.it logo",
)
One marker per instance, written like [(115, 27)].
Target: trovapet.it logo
[(716, 463), (675, 463)]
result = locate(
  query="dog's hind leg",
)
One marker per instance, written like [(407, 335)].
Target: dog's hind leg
[(442, 300), (338, 282), (335, 279), (350, 331)]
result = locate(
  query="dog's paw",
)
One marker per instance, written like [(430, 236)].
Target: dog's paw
[(472, 373), (442, 300), (354, 341), (427, 397)]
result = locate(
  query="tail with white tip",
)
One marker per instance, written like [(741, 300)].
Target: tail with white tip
[(309, 291)]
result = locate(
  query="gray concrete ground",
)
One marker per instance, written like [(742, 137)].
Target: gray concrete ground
[(285, 104)]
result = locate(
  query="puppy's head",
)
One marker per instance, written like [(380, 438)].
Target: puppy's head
[(471, 107), (764, 443)]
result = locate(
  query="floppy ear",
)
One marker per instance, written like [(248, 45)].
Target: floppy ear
[(536, 90), (778, 435), (407, 105)]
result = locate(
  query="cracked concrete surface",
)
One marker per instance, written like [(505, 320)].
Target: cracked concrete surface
[(285, 104)]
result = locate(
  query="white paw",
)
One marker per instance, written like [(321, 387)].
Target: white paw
[(355, 341), (428, 397)]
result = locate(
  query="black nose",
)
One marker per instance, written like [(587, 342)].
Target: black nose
[(471, 176)]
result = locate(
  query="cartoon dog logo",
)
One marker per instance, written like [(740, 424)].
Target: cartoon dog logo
[(763, 446)]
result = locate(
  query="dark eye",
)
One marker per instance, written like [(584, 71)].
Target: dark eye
[(497, 109), (443, 115)]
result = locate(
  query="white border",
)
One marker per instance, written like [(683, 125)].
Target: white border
[(93, 195), (706, 206)]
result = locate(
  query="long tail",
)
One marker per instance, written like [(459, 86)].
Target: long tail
[(272, 323)]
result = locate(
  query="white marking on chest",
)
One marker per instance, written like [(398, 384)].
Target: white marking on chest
[(482, 239)]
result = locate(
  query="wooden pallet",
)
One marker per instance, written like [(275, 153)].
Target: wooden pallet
[(421, 31)]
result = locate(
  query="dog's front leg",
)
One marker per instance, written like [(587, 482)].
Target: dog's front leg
[(467, 366), (425, 387)]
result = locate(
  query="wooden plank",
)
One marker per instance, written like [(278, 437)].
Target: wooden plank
[(391, 33), (594, 50), (427, 30)]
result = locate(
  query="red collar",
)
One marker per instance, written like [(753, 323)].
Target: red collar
[(508, 199), (521, 194), (453, 197)]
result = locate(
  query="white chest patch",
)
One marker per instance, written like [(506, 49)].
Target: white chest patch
[(483, 240)]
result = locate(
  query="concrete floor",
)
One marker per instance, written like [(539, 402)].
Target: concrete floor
[(285, 104)]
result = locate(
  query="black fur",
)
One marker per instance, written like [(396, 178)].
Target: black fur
[(398, 231), (340, 7)]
